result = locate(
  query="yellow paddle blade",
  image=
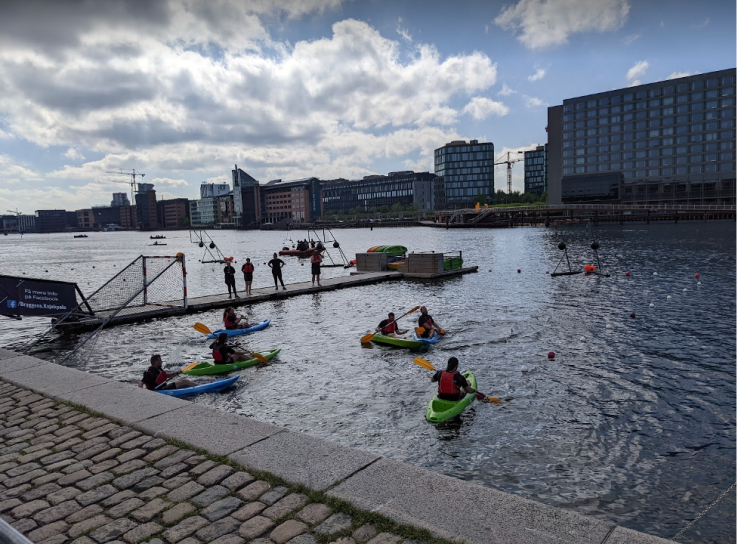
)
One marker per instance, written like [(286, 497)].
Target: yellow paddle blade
[(260, 357), (366, 338), (413, 310), (189, 366), (425, 364), (443, 331), (494, 399), (419, 331), (202, 327)]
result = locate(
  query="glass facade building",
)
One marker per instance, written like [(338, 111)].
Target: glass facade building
[(246, 199), (670, 142), (536, 170), (465, 171)]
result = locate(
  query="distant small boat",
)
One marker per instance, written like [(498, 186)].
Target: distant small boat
[(80, 236), (157, 244)]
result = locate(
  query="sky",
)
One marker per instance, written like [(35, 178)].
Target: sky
[(181, 90)]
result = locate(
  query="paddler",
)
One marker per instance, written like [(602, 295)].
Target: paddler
[(155, 376), (452, 384), (388, 327), (224, 354), (231, 321), (429, 326)]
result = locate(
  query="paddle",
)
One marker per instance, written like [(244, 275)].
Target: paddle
[(429, 366), (168, 378), (420, 330), (368, 337), (201, 327)]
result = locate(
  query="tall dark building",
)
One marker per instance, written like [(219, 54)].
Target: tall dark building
[(52, 220), (536, 170), (246, 199), (666, 142), (146, 210), (465, 171)]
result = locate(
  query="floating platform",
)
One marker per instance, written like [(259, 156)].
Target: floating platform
[(264, 294)]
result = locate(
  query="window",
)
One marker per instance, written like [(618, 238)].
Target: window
[(668, 100), (667, 151), (697, 85), (653, 172), (711, 83), (695, 159), (640, 155), (655, 103), (697, 169), (727, 91), (697, 96), (711, 94), (615, 166), (667, 162), (682, 99), (712, 104)]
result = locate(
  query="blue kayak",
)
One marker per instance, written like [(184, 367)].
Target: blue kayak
[(239, 332), (212, 387), (428, 341)]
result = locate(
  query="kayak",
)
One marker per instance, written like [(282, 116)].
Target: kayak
[(397, 342), (212, 387), (426, 341), (206, 368), (441, 410), (239, 332)]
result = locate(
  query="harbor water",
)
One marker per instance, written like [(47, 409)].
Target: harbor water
[(633, 421)]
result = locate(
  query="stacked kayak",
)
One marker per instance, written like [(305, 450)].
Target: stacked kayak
[(452, 263), (207, 368), (391, 251), (426, 341), (397, 342), (238, 332), (302, 253), (441, 410), (212, 387)]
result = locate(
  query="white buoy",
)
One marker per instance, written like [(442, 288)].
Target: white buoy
[(699, 283), (608, 326), (655, 273), (650, 305), (685, 289), (668, 297), (582, 339)]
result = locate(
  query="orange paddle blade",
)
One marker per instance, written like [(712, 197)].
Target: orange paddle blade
[(425, 364), (259, 357), (201, 327), (189, 366), (366, 338)]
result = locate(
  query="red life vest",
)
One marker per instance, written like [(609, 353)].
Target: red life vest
[(392, 327), (161, 378), (228, 324), (446, 385), (216, 355), (248, 267)]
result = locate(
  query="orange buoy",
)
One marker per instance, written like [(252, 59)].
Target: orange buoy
[(588, 268)]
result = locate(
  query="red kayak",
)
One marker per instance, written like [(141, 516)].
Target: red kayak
[(301, 252)]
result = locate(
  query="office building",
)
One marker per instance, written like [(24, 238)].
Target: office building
[(211, 190), (119, 199), (296, 201), (52, 220), (536, 170), (373, 192), (210, 211), (145, 187), (247, 199), (465, 171), (173, 213), (146, 214), (669, 142)]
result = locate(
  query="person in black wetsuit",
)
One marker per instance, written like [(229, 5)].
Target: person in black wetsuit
[(452, 385), (230, 279), (276, 265), (156, 376)]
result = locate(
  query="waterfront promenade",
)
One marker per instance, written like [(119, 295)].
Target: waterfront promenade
[(92, 461)]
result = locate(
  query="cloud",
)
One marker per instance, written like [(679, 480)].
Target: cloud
[(167, 182), (74, 154), (630, 38), (479, 108), (403, 32), (703, 24), (533, 102), (677, 75), (545, 23), (637, 70), (634, 83), (486, 29), (540, 72), (505, 91), (12, 173)]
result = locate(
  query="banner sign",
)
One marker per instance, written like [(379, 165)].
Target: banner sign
[(36, 297)]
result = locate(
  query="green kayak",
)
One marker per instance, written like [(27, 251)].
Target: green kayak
[(206, 368), (397, 342), (441, 410)]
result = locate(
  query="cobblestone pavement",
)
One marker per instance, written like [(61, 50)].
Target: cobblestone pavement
[(69, 477)]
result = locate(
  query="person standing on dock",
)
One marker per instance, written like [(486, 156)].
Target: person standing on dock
[(276, 265), (429, 326), (230, 279), (388, 327), (248, 274), (315, 261)]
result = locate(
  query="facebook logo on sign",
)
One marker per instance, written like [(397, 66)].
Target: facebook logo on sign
[(12, 303)]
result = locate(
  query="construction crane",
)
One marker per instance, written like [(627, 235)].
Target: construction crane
[(132, 183), (509, 164), (17, 215)]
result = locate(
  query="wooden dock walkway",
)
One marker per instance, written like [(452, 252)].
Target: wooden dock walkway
[(138, 314)]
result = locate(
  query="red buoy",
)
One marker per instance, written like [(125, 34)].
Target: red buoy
[(697, 276), (627, 274), (518, 271), (551, 355), (632, 315)]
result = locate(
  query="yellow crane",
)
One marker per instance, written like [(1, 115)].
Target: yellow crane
[(132, 183)]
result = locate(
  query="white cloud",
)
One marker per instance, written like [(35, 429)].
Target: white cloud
[(630, 38), (486, 29), (637, 70), (167, 182), (533, 102), (540, 72), (479, 108), (634, 83), (5, 135), (545, 23), (74, 154), (703, 24), (403, 32), (12, 173), (676, 75), (506, 91)]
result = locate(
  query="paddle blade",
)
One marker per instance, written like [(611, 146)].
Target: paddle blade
[(259, 357), (443, 331), (425, 364), (201, 327), (189, 366), (419, 331), (494, 399), (413, 310), (366, 338)]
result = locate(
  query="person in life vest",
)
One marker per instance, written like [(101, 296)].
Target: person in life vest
[(429, 326), (388, 327), (248, 274), (452, 385), (225, 354), (232, 321), (155, 376)]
